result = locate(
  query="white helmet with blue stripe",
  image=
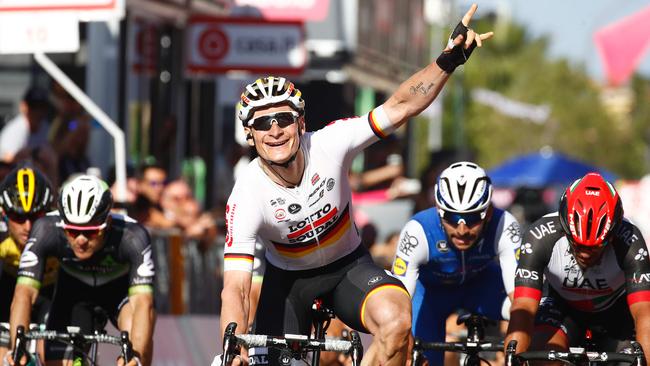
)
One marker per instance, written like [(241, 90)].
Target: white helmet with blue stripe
[(463, 187)]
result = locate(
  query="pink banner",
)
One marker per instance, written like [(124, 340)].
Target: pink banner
[(622, 45), (304, 10)]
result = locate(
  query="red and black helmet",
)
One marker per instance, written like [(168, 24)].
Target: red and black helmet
[(590, 210)]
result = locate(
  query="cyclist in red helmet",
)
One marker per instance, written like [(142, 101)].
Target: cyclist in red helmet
[(583, 267)]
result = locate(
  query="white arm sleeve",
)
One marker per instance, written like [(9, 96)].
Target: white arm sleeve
[(508, 242), (412, 252), (243, 221)]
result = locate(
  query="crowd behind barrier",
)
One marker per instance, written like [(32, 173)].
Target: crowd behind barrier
[(188, 274)]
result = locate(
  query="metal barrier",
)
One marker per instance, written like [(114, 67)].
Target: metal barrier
[(189, 277)]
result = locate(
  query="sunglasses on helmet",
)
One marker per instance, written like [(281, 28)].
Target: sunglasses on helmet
[(20, 219), (467, 218), (283, 119)]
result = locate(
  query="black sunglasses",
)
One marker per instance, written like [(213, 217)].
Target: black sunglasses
[(455, 218), (283, 119), (20, 219), (89, 234)]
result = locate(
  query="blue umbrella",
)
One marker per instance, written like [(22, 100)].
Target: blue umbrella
[(542, 169)]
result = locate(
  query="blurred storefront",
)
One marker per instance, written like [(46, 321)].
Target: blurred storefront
[(142, 71)]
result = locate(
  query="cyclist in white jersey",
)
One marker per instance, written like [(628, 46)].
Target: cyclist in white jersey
[(295, 197)]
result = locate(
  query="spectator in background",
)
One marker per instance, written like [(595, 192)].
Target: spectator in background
[(29, 128), (44, 158), (180, 207), (70, 134), (146, 209), (131, 188)]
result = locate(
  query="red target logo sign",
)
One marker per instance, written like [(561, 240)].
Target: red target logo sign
[(218, 45), (213, 44)]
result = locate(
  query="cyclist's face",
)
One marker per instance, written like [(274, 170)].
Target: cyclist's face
[(278, 143), (19, 228), (464, 233), (461, 235), (85, 243), (587, 256)]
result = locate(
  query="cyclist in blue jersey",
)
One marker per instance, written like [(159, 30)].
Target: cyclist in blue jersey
[(457, 254)]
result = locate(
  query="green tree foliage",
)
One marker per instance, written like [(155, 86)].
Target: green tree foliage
[(519, 68)]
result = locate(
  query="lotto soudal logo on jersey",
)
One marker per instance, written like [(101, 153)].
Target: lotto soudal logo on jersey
[(280, 214), (399, 266), (526, 274), (294, 208), (327, 226), (314, 179), (315, 217)]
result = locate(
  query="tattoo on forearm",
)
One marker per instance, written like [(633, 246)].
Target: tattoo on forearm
[(420, 88)]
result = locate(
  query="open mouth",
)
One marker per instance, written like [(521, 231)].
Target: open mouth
[(276, 143)]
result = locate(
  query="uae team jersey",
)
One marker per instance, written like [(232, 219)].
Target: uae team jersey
[(546, 257), (310, 225)]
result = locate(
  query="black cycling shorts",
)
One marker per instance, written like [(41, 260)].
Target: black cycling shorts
[(287, 296), (78, 304), (611, 328)]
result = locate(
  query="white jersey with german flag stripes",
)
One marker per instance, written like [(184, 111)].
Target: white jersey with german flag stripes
[(310, 225)]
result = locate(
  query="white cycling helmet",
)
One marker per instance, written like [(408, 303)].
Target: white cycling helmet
[(85, 201), (266, 92), (463, 187)]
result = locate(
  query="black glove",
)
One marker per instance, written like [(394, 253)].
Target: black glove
[(449, 60)]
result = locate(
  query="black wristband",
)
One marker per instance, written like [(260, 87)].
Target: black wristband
[(457, 54)]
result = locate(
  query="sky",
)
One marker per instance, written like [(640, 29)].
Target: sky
[(570, 25)]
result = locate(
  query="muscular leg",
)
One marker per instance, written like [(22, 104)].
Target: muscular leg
[(388, 318)]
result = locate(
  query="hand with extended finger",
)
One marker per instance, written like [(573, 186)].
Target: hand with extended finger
[(461, 43)]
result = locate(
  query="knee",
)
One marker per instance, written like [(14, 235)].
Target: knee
[(394, 326)]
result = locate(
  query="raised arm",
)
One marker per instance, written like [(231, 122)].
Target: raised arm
[(419, 91)]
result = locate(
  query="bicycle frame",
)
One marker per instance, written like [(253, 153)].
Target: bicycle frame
[(472, 346)]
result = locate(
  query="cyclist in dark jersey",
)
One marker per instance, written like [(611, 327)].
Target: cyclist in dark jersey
[(590, 269), (25, 196), (105, 260)]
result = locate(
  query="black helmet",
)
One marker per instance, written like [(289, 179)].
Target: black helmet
[(25, 191)]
